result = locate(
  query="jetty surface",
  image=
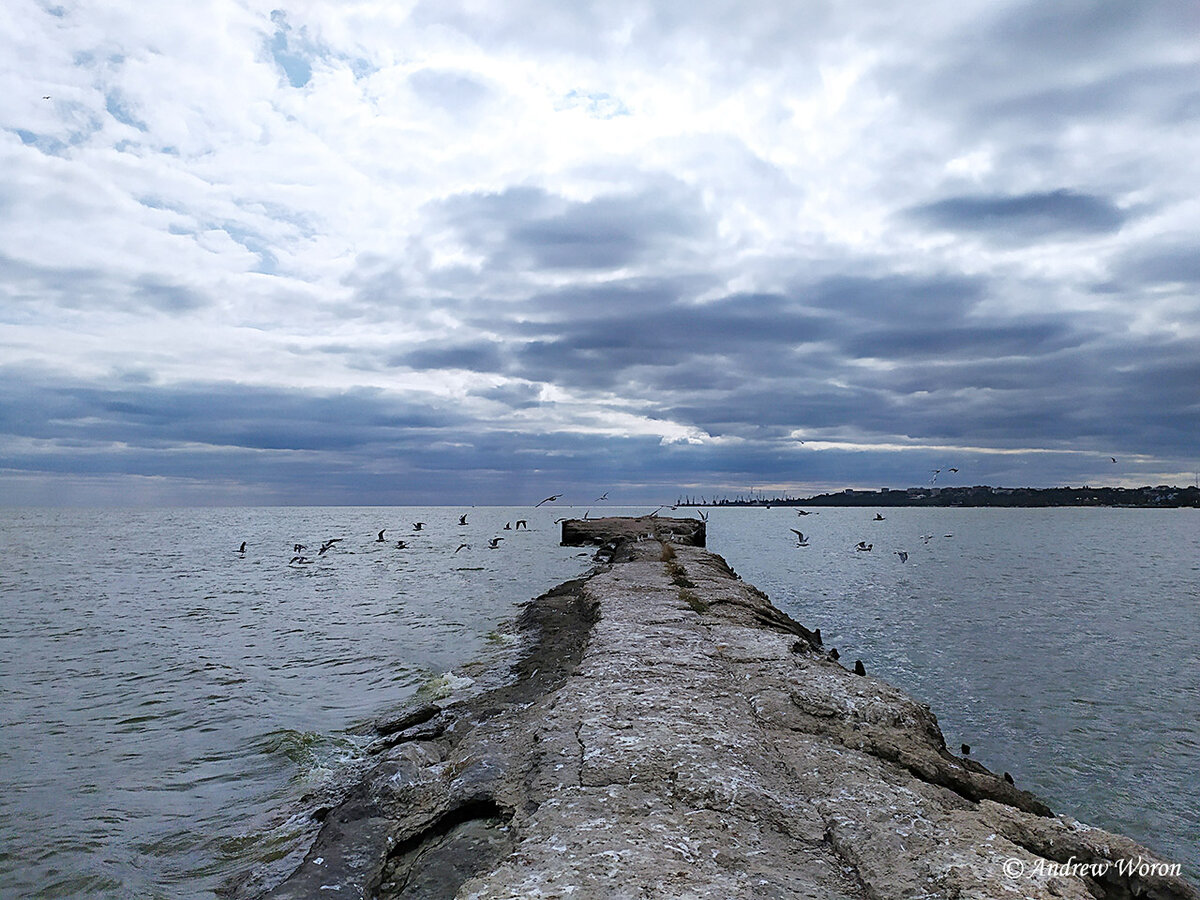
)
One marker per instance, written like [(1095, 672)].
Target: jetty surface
[(665, 732)]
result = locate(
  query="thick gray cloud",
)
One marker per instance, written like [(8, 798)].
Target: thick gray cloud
[(1027, 217), (476, 357), (215, 414), (1164, 263), (162, 295), (96, 287), (1050, 64), (531, 228), (1152, 92)]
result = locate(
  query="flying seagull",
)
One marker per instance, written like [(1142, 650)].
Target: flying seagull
[(327, 545), (462, 520), (903, 556), (379, 540), (864, 547), (417, 526), (878, 517), (603, 496), (242, 549), (549, 499), (1113, 458), (801, 541), (400, 545), (463, 547), (493, 543)]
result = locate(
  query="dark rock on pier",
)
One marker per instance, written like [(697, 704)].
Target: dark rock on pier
[(667, 733)]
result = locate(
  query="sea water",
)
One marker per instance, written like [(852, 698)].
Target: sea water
[(161, 693)]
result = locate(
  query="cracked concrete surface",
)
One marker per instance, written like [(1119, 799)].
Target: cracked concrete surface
[(669, 734)]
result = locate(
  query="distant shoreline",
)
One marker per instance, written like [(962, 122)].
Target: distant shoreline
[(1160, 497)]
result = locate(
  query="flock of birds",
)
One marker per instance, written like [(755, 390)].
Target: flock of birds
[(493, 543), (299, 550), (299, 557), (861, 546), (865, 546)]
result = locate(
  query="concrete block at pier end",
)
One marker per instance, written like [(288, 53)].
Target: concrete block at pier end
[(685, 532)]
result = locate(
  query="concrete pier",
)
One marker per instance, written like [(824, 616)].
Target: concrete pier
[(665, 732)]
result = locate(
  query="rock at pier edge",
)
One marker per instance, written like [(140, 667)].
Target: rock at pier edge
[(665, 732)]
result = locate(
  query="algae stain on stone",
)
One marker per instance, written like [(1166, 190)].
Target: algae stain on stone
[(501, 638), (438, 687), (692, 600)]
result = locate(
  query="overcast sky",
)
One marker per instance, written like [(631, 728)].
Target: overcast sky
[(410, 252)]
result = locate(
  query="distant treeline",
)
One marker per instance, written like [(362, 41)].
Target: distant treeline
[(979, 495)]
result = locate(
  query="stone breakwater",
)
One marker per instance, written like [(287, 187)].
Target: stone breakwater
[(665, 732)]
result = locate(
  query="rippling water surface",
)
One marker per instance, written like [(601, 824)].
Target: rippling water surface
[(161, 692)]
